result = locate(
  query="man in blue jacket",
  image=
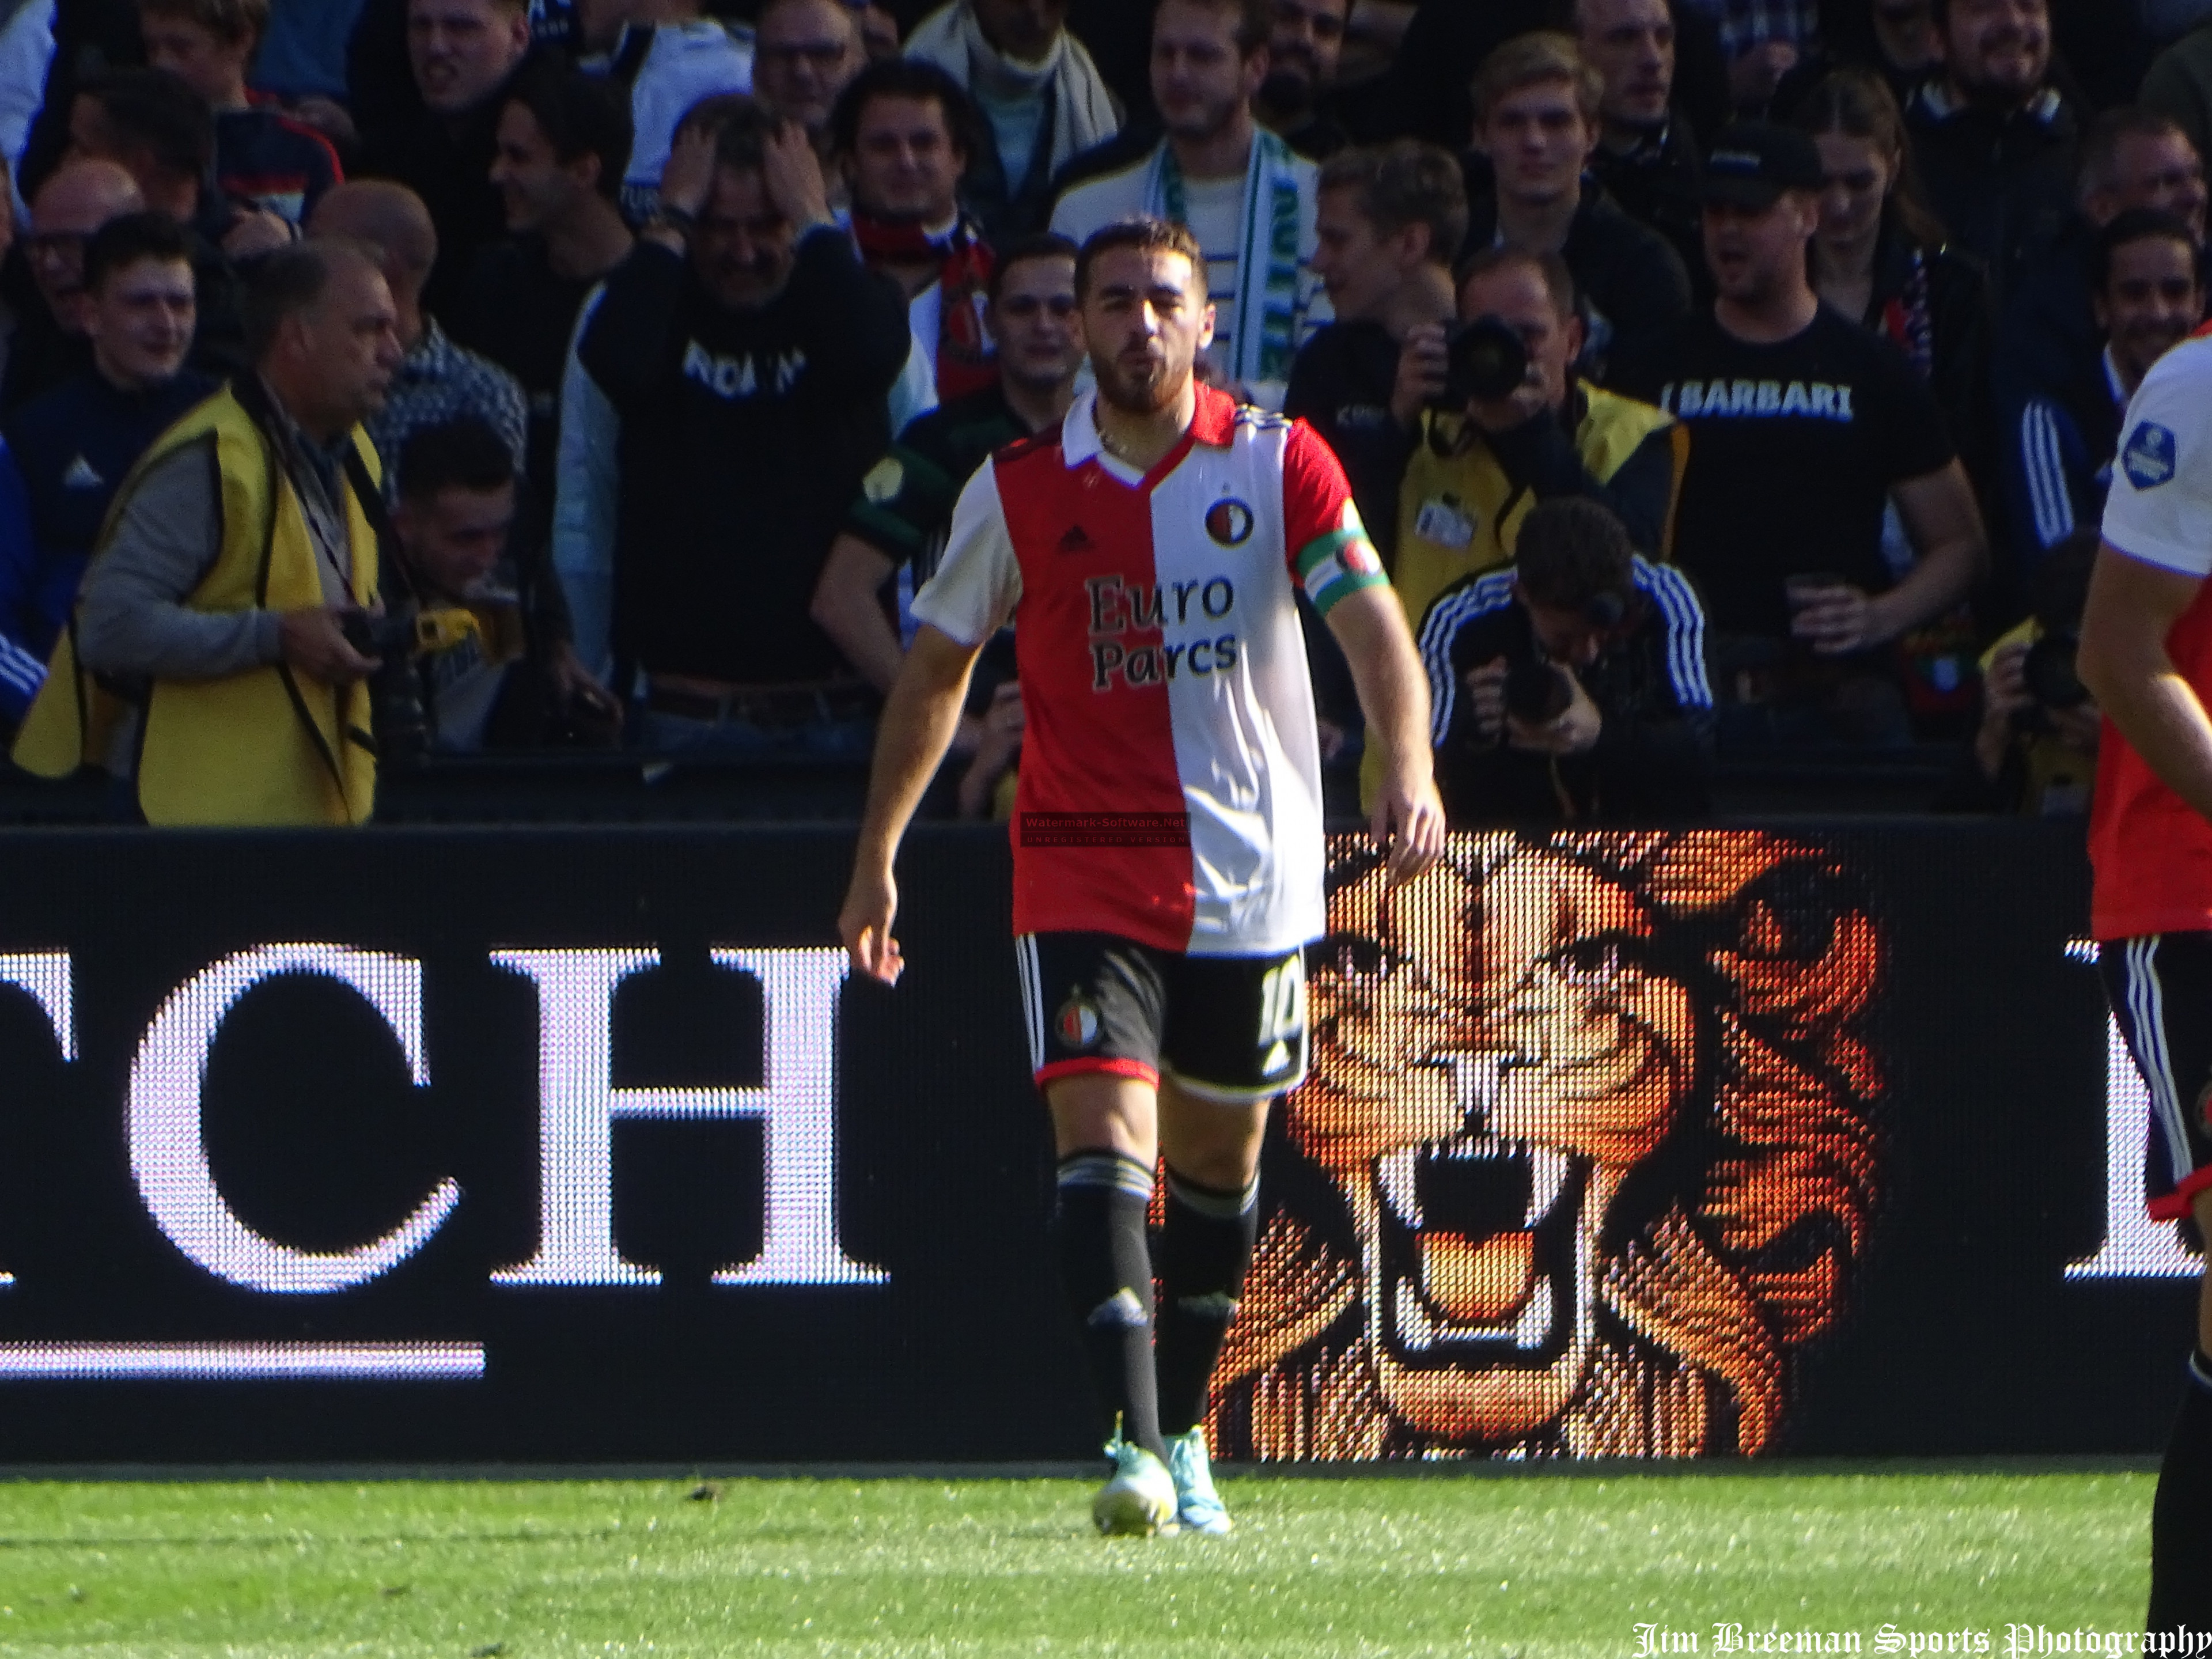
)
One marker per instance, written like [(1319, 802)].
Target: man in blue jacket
[(66, 454)]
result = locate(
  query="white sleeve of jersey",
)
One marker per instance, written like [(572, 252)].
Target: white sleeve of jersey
[(2160, 510), (979, 580)]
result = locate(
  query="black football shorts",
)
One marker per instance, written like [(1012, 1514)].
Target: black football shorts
[(2161, 987), (1231, 1029)]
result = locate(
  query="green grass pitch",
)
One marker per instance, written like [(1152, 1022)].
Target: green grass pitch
[(1529, 1566)]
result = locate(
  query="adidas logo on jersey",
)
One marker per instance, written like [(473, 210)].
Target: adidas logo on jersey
[(81, 475), (1077, 540)]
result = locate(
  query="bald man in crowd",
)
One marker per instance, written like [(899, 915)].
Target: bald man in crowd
[(49, 345), (437, 381)]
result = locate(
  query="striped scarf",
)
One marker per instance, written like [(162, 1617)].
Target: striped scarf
[(961, 352), (1268, 254)]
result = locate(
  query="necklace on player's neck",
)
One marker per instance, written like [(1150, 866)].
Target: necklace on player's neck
[(1113, 447), (1121, 451)]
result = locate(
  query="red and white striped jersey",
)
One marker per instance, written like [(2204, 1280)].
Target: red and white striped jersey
[(1170, 779)]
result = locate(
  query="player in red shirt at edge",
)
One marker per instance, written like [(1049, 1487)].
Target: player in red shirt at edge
[(1167, 833), (2146, 652)]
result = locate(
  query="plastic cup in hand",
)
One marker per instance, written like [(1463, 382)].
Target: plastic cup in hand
[(1805, 588), (1800, 590)]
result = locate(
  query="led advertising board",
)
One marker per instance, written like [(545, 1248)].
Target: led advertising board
[(582, 1145)]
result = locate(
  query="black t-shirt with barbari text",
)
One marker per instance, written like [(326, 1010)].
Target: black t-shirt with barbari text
[(1793, 448)]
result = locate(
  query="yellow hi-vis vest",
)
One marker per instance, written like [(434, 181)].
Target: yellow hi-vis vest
[(267, 746), (1459, 514)]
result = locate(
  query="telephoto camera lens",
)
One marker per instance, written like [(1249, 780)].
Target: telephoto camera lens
[(395, 690), (1485, 359)]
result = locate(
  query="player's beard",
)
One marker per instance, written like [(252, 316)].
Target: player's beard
[(1157, 387)]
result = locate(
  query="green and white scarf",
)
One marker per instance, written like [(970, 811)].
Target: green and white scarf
[(1267, 326)]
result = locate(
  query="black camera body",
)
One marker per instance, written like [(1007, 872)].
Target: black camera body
[(2048, 669), (1536, 693), (1485, 359), (395, 690)]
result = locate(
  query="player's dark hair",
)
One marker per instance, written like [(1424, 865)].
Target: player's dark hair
[(1146, 235), (1559, 281), (153, 110), (1019, 250), (1571, 555), (1403, 182), (125, 240), (1256, 19), (580, 114), (464, 454), (2140, 225), (904, 77), (290, 280)]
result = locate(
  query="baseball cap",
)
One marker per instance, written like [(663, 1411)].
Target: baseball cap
[(1753, 162)]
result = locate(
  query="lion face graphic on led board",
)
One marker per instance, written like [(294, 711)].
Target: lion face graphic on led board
[(1594, 1116)]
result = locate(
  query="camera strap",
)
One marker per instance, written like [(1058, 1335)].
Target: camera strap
[(389, 554), (248, 390), (254, 399)]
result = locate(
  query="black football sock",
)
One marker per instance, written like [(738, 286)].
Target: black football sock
[(1106, 1268), (1204, 1251), (2181, 1514)]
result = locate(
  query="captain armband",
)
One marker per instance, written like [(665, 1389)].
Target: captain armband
[(1340, 564)]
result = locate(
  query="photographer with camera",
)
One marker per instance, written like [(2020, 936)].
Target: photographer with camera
[(1502, 423), (1572, 688), (215, 609), (477, 676), (2035, 752)]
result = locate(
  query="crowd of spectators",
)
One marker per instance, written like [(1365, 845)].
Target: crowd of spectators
[(1717, 378)]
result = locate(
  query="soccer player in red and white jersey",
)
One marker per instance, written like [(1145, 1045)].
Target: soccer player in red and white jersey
[(1167, 833), (2146, 652)]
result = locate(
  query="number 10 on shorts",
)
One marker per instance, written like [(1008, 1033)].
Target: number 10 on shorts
[(1283, 1000)]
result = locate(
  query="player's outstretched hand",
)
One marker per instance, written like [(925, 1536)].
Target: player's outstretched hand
[(1409, 825), (864, 924)]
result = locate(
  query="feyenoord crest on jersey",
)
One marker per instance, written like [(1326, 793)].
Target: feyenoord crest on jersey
[(1076, 1022), (1230, 523)]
